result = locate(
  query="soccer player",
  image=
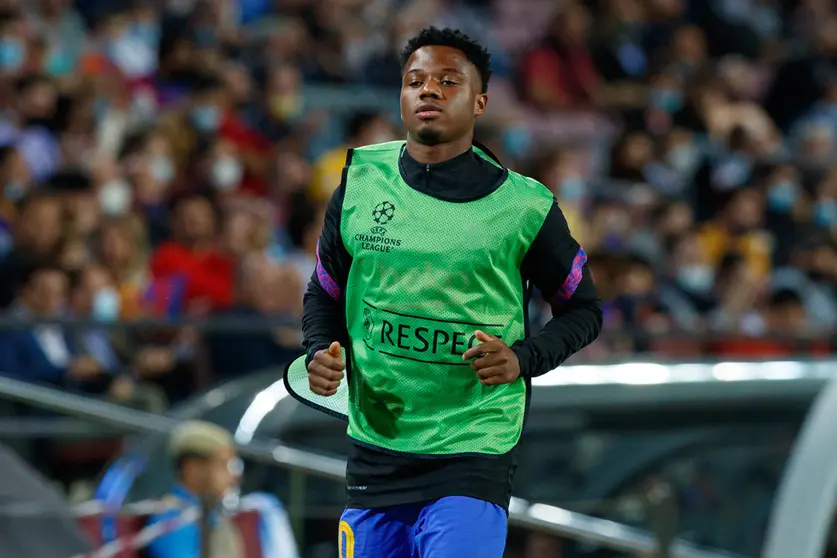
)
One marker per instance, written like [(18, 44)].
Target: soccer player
[(428, 254)]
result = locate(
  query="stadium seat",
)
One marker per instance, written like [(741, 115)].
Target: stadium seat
[(129, 525)]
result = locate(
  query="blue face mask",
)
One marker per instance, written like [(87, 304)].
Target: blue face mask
[(517, 141), (105, 305), (206, 118), (148, 32), (825, 213), (59, 63), (781, 196), (12, 54), (668, 100), (572, 189)]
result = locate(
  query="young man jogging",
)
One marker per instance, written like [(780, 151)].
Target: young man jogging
[(428, 254)]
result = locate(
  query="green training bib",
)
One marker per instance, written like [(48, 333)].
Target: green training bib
[(425, 275)]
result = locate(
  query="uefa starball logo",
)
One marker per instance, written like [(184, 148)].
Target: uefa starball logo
[(383, 213), (377, 240)]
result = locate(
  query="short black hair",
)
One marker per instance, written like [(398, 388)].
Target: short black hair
[(303, 214), (31, 80), (433, 36), (39, 266), (6, 152), (207, 82), (784, 297)]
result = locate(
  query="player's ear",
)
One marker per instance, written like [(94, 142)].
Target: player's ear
[(480, 104)]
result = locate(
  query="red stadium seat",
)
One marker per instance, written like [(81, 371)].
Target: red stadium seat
[(129, 525)]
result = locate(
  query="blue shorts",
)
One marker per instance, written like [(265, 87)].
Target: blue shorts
[(451, 527)]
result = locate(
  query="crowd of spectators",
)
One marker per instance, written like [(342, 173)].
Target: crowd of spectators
[(170, 159)]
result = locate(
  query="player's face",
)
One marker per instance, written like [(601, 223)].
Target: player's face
[(440, 95)]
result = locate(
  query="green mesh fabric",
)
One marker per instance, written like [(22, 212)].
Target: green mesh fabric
[(425, 275)]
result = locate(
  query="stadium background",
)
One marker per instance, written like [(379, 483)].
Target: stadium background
[(164, 166)]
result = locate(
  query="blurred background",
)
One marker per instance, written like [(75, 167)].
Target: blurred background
[(164, 166)]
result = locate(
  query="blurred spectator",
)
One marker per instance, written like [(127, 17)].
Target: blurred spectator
[(304, 226), (34, 125), (560, 74), (94, 297), (738, 228), (174, 144), (123, 250), (195, 272), (45, 353), (561, 172), (363, 128), (265, 290), (207, 470), (36, 235)]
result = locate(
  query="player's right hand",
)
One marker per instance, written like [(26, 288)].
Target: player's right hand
[(326, 370)]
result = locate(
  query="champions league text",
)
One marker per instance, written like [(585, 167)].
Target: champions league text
[(377, 243)]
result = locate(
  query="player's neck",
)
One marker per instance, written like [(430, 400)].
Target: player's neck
[(439, 153)]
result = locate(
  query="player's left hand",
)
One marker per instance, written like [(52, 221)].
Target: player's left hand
[(495, 362)]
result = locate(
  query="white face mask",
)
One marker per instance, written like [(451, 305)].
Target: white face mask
[(105, 305), (226, 173), (162, 170), (697, 279), (115, 197)]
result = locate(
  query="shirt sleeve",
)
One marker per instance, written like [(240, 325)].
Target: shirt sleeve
[(323, 313), (557, 265)]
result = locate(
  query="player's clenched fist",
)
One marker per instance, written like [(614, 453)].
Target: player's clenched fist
[(326, 370), (495, 362)]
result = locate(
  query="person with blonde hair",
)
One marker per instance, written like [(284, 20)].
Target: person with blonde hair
[(207, 469)]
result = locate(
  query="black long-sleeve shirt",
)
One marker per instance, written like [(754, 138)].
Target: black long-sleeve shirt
[(555, 264)]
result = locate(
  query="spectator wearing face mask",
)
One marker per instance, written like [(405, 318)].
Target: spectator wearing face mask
[(202, 116), (209, 114), (93, 296), (218, 168), (146, 162), (787, 212), (14, 46), (48, 353), (114, 192), (122, 248), (560, 172)]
